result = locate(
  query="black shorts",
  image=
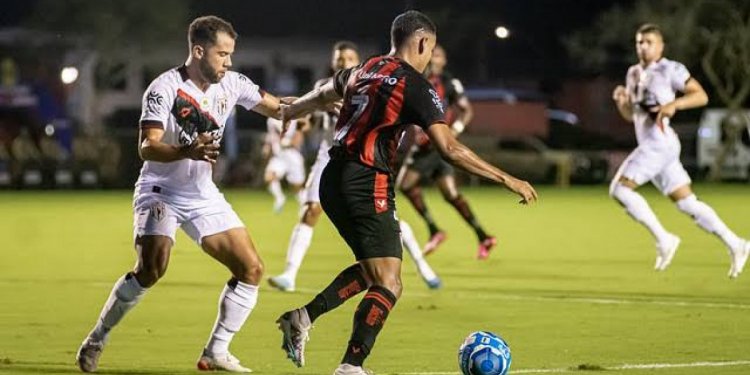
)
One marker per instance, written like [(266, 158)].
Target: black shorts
[(430, 164), (360, 202)]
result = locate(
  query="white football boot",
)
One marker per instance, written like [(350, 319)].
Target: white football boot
[(347, 369), (739, 258), (282, 283), (88, 355), (222, 362), (295, 326), (665, 252)]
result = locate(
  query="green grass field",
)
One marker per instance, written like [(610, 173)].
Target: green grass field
[(570, 284)]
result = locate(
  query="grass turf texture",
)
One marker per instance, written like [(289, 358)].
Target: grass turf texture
[(570, 286)]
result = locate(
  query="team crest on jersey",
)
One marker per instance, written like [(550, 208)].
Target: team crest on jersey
[(205, 105), (436, 100), (158, 211), (221, 105)]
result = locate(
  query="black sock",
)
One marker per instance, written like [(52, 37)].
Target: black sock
[(417, 200), (462, 206), (346, 285), (368, 321)]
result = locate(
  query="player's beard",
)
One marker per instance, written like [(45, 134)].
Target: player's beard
[(209, 73)]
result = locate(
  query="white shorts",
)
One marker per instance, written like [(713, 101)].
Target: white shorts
[(312, 186), (289, 164), (662, 167), (159, 214)]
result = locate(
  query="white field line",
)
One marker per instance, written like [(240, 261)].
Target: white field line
[(584, 300), (637, 366)]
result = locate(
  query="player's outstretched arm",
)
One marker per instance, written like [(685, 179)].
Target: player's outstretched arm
[(319, 98), (461, 156), (153, 149), (269, 106), (622, 101)]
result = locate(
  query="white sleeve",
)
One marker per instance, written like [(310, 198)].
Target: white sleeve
[(156, 104), (679, 76), (248, 93)]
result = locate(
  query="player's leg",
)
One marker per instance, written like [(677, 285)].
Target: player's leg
[(295, 324), (412, 246), (705, 216), (222, 235), (296, 174), (274, 172), (154, 229), (639, 167), (408, 182), (446, 182), (373, 311), (302, 233)]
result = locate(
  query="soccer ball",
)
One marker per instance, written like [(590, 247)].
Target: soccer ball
[(484, 353)]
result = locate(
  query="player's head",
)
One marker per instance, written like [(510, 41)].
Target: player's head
[(649, 43), (438, 61), (414, 31), (344, 55), (211, 41)]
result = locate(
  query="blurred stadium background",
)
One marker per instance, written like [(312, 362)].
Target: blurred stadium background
[(73, 72)]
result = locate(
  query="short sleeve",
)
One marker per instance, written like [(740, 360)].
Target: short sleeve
[(156, 105), (248, 93), (679, 75), (423, 106), (455, 91), (340, 79)]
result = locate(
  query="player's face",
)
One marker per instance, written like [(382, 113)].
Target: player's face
[(649, 47), (438, 61), (217, 58), (344, 59)]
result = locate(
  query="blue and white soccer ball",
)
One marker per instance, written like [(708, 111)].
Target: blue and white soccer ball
[(484, 353)]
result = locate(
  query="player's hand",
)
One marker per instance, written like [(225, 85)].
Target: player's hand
[(522, 188), (335, 107), (203, 148), (288, 100), (663, 112), (620, 96)]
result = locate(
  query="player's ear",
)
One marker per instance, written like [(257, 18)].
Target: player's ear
[(422, 45), (198, 51)]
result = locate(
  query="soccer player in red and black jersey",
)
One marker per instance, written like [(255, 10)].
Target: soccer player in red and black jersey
[(382, 96), (424, 160)]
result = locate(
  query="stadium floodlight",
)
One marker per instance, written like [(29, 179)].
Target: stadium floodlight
[(69, 74), (502, 32)]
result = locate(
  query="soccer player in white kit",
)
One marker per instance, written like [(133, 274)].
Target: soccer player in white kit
[(344, 56), (649, 101), (183, 116), (286, 161)]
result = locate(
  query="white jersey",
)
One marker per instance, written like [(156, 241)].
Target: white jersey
[(275, 139), (649, 87), (327, 121), (174, 103)]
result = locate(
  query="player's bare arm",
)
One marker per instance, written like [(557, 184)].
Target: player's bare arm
[(269, 106), (461, 156), (466, 113), (318, 98), (622, 101), (153, 149), (695, 96)]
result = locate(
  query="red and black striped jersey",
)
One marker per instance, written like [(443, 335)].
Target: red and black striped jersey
[(450, 90), (382, 96)]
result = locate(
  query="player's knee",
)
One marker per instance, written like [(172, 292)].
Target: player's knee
[(148, 276), (251, 273), (393, 284)]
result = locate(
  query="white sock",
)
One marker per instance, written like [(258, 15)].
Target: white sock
[(124, 296), (412, 246), (637, 207), (298, 244), (274, 187), (235, 304), (301, 197), (706, 218)]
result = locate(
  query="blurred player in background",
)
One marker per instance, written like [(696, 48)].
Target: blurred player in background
[(649, 101), (285, 160), (382, 97), (183, 115), (424, 161), (344, 55)]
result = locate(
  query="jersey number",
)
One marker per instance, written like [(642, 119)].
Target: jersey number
[(361, 102)]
